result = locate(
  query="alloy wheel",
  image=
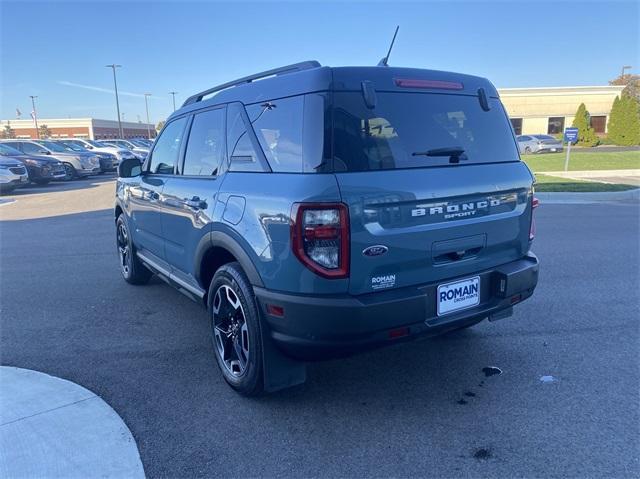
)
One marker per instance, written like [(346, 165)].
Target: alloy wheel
[(124, 251), (230, 330)]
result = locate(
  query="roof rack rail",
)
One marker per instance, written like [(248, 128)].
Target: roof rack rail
[(296, 67)]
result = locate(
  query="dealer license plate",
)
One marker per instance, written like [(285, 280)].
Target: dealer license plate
[(458, 295)]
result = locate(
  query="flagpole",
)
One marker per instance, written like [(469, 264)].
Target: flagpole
[(35, 114)]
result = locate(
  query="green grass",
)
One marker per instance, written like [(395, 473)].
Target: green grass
[(555, 184), (618, 160)]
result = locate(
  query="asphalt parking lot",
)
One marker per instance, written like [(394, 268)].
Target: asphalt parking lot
[(566, 403)]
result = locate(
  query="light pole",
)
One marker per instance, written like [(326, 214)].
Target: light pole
[(146, 105), (173, 94), (626, 67), (113, 66), (35, 114)]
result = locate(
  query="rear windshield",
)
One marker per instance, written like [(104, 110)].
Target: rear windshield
[(415, 130)]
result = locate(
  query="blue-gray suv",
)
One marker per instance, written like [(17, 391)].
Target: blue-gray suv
[(318, 211)]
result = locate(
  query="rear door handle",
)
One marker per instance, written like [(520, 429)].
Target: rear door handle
[(196, 203)]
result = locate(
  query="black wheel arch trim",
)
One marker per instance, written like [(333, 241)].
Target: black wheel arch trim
[(224, 240)]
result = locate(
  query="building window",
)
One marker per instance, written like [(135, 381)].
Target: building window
[(556, 125), (516, 123), (598, 123)]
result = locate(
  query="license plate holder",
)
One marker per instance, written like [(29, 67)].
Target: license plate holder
[(458, 295)]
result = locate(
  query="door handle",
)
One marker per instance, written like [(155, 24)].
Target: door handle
[(196, 203)]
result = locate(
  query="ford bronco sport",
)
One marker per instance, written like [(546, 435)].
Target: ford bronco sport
[(321, 211)]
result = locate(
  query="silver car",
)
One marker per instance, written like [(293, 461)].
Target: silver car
[(528, 144), (76, 164), (12, 175)]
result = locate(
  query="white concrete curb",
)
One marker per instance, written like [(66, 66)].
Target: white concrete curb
[(591, 173), (50, 427), (562, 197)]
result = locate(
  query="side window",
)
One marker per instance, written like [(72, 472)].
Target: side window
[(205, 146), (14, 144), (242, 155), (167, 148), (31, 148), (278, 126)]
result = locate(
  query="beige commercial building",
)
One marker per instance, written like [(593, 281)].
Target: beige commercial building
[(550, 110), (90, 128)]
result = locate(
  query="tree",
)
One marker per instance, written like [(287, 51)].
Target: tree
[(8, 132), (624, 121), (44, 131), (160, 125), (631, 82), (586, 135)]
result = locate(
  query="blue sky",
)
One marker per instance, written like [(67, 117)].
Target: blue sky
[(58, 50)]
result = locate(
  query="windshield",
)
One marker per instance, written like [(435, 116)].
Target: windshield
[(94, 143), (6, 150), (72, 146), (544, 137), (413, 130), (52, 146), (139, 143)]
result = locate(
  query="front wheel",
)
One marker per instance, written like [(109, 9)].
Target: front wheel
[(71, 172), (132, 269), (527, 151), (235, 325)]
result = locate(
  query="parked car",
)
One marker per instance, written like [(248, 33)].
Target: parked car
[(108, 161), (41, 169), (140, 152), (141, 142), (76, 164), (97, 147), (528, 144), (12, 175), (313, 217)]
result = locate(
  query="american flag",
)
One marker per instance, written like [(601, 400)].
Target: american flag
[(18, 112)]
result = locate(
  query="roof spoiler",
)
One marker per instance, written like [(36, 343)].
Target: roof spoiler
[(296, 67)]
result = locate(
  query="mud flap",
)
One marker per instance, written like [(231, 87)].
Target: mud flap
[(280, 371)]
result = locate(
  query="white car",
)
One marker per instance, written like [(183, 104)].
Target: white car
[(120, 153)]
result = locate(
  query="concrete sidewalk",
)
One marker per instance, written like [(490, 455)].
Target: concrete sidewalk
[(625, 177), (50, 427)]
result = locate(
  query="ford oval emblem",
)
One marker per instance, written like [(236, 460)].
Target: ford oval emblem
[(375, 250)]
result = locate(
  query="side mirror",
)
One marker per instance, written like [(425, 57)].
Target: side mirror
[(129, 168)]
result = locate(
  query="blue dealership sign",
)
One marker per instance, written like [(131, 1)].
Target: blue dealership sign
[(571, 135)]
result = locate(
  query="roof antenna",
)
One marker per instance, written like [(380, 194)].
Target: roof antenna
[(384, 62)]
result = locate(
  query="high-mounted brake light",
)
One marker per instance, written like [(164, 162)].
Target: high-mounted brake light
[(532, 229), (320, 238), (437, 84)]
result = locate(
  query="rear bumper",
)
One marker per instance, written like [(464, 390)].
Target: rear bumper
[(550, 149), (320, 327)]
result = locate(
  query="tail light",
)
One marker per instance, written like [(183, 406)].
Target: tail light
[(320, 238), (532, 229)]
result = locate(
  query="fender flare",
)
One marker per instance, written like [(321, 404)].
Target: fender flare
[(223, 240)]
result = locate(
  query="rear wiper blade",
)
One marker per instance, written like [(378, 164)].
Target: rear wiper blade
[(452, 151)]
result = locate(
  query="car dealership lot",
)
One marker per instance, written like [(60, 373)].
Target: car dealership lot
[(423, 408)]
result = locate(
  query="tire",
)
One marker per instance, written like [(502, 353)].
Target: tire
[(72, 174), (132, 269), (235, 330), (41, 182), (527, 151)]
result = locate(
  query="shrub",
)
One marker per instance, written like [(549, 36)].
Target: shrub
[(624, 121), (586, 135)]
